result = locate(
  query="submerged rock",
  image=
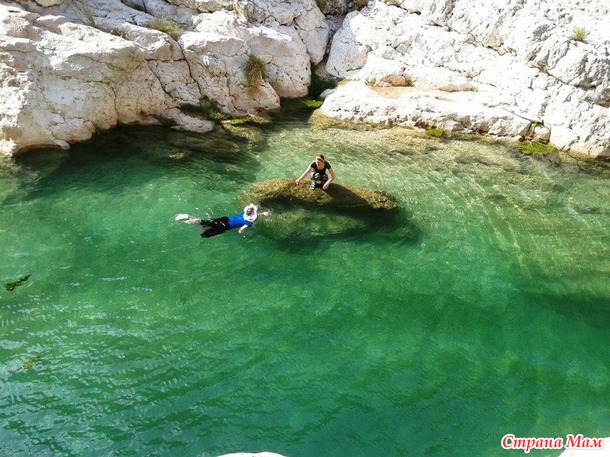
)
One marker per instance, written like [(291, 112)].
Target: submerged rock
[(337, 197), (209, 145), (300, 214), (12, 285)]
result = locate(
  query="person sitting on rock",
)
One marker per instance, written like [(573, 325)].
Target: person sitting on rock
[(222, 224), (317, 173)]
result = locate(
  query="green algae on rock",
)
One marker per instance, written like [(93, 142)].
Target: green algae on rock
[(299, 212), (336, 197)]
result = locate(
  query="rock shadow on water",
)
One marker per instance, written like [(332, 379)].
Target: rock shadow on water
[(224, 150), (302, 218)]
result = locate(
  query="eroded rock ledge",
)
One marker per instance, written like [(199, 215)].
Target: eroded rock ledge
[(71, 68), (512, 68)]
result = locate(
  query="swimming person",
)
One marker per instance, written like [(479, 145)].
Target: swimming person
[(317, 173), (222, 224)]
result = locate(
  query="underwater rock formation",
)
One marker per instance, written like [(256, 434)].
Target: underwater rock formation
[(300, 214), (13, 284)]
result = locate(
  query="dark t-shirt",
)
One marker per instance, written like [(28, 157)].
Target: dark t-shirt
[(323, 170)]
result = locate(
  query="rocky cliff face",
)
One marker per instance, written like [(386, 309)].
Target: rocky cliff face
[(71, 68), (512, 68)]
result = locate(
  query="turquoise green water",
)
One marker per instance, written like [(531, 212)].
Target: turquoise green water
[(483, 311)]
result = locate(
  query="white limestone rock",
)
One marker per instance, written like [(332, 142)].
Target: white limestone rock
[(286, 57), (212, 60), (408, 106), (61, 97), (302, 15), (48, 3), (73, 68), (520, 53)]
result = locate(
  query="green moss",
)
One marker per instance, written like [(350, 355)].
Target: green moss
[(436, 133), (166, 25), (260, 120), (300, 104), (319, 85), (206, 110), (535, 148), (321, 4), (579, 34), (256, 73), (88, 17), (31, 363)]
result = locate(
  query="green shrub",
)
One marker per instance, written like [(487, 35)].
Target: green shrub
[(579, 34), (535, 148), (436, 133), (256, 73), (166, 25)]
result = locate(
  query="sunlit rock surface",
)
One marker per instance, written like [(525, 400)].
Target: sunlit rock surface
[(511, 68), (70, 69)]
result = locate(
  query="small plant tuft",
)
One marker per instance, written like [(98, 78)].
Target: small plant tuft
[(166, 25), (579, 34), (88, 17), (436, 133), (256, 73), (535, 148)]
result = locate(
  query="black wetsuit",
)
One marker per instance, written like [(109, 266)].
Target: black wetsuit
[(222, 224)]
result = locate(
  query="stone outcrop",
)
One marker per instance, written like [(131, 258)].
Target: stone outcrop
[(511, 68), (69, 69)]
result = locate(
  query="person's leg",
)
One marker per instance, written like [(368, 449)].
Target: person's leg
[(216, 226)]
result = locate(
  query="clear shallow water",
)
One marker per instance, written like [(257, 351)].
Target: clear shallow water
[(484, 311)]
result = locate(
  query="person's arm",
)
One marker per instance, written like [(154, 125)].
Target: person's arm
[(332, 178), (308, 170), (242, 229)]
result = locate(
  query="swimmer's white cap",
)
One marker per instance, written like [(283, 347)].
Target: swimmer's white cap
[(250, 212)]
